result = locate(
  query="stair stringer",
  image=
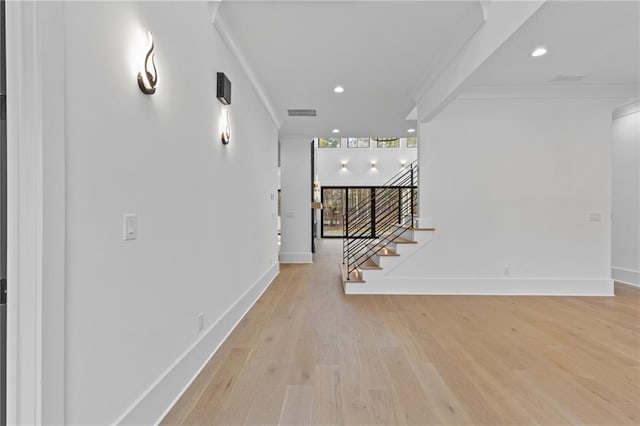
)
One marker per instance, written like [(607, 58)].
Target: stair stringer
[(377, 280)]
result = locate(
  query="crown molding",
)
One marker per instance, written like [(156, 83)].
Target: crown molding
[(632, 107), (552, 91)]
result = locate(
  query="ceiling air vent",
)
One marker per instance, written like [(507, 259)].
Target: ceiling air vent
[(567, 78), (302, 113)]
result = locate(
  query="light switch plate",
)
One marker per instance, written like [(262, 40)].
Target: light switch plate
[(130, 226)]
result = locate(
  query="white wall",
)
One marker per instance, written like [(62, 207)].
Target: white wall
[(358, 170), (295, 180), (626, 194), (207, 230), (509, 186)]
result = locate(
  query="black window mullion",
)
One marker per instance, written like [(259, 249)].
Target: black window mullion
[(373, 212)]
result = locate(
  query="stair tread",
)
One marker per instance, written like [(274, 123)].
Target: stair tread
[(383, 251), (416, 228), (369, 264), (355, 277), (399, 239)]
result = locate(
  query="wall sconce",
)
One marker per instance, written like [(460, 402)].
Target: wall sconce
[(148, 75), (373, 164), (226, 133), (403, 164), (223, 93), (223, 88), (344, 164)]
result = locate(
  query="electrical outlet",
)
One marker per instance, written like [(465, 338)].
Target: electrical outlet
[(200, 321)]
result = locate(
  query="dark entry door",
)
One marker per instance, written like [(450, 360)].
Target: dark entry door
[(313, 212)]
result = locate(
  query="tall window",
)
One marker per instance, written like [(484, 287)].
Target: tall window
[(358, 143), (387, 142), (329, 143)]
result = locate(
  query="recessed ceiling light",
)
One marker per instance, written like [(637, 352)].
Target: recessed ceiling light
[(338, 89), (539, 51), (336, 130), (411, 130)]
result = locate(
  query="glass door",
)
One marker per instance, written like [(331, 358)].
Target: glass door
[(333, 210), (387, 209), (359, 205)]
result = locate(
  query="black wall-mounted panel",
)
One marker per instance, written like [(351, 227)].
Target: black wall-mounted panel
[(223, 89)]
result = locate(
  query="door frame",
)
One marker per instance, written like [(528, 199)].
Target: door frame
[(36, 212)]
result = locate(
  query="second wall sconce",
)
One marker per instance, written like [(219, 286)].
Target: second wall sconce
[(373, 164), (148, 75), (226, 132)]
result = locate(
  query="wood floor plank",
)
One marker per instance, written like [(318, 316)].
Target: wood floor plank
[(308, 354), (414, 406), (326, 399), (448, 408), (266, 406), (296, 409), (213, 397)]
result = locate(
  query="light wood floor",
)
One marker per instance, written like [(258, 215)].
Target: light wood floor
[(307, 354)]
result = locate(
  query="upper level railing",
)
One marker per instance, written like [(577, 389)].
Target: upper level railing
[(379, 219)]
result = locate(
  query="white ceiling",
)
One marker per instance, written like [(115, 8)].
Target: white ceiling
[(596, 39), (384, 52), (380, 52)]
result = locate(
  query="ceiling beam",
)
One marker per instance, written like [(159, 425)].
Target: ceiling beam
[(505, 19), (221, 28)]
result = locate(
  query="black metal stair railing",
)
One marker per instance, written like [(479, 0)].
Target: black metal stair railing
[(374, 223)]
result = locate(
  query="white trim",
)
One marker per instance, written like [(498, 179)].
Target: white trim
[(154, 404), (485, 286), (24, 215), (251, 76), (305, 257), (618, 282), (36, 212), (52, 53), (550, 91), (505, 20), (627, 276), (627, 109)]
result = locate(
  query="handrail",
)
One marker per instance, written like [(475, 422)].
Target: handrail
[(371, 219)]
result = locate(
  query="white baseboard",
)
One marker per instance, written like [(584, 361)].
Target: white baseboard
[(156, 401), (626, 276), (304, 257), (485, 286)]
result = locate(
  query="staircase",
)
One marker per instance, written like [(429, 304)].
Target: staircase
[(380, 233)]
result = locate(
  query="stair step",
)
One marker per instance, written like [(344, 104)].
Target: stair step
[(354, 276), (369, 264), (398, 240), (409, 228), (383, 251)]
